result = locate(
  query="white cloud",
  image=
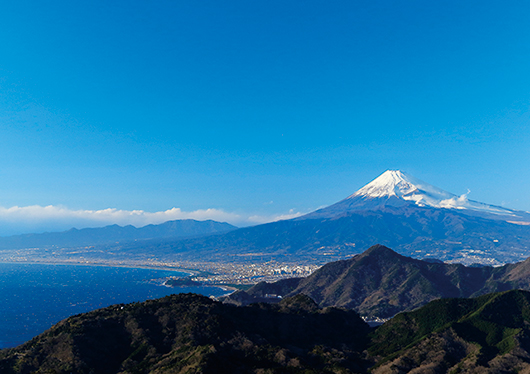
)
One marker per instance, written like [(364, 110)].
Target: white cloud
[(38, 218), (457, 202), (264, 219), (110, 215)]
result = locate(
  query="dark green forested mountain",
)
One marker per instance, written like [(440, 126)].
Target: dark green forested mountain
[(488, 334), (189, 333), (381, 283), (192, 334)]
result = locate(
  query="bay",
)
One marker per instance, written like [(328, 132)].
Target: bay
[(33, 297)]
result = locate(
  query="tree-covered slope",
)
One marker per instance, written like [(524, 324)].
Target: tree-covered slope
[(188, 333), (193, 334), (488, 334), (380, 283)]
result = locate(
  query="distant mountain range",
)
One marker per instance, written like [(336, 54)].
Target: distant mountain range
[(382, 283), (189, 333), (396, 210), (114, 233)]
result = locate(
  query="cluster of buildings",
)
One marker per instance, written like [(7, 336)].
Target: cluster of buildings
[(247, 273), (207, 272)]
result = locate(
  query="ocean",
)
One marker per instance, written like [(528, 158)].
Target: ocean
[(33, 297)]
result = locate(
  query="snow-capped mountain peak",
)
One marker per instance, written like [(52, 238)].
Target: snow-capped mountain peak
[(396, 188), (399, 184)]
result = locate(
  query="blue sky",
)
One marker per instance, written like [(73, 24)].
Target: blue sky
[(246, 111)]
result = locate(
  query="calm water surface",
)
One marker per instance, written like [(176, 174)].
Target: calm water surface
[(33, 297)]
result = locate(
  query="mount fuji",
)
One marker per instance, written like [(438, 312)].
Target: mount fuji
[(395, 188), (396, 210)]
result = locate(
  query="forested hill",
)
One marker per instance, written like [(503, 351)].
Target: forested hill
[(189, 333), (488, 334), (380, 283)]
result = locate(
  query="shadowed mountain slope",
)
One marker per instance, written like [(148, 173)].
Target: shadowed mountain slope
[(381, 283), (189, 333), (488, 334)]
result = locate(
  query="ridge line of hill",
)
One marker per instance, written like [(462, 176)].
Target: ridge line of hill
[(380, 283), (189, 333)]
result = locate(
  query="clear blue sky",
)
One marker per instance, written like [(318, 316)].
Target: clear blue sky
[(255, 109)]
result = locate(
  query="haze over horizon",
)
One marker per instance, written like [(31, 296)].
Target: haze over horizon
[(138, 113)]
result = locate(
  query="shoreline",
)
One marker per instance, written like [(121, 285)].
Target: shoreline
[(149, 289), (189, 272), (129, 266)]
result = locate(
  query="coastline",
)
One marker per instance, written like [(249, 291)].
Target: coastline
[(190, 272), (72, 289)]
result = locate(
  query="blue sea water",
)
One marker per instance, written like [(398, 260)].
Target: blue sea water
[(33, 297)]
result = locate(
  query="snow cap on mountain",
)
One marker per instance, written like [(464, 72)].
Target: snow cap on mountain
[(396, 188), (405, 186)]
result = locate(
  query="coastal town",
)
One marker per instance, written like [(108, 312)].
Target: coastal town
[(203, 272), (247, 273)]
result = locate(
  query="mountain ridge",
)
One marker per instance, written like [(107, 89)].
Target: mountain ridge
[(487, 334), (380, 283), (115, 233), (189, 333)]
